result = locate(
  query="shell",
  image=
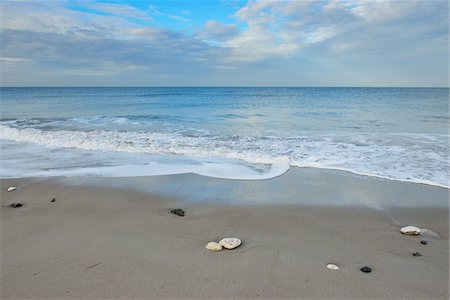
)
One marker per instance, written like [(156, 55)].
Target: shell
[(213, 246), (230, 243), (332, 267), (410, 230), (11, 188)]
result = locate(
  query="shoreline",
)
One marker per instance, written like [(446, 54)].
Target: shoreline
[(290, 167), (343, 170), (424, 182), (108, 238), (305, 186)]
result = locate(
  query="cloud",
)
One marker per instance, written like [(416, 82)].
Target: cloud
[(219, 31), (5, 59), (287, 28), (119, 10), (302, 42), (53, 16), (156, 12)]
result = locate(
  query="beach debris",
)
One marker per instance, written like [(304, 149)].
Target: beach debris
[(423, 242), (410, 230), (230, 243), (366, 269), (53, 200), (177, 211), (332, 267), (11, 188), (94, 265), (213, 246), (16, 205), (416, 254)]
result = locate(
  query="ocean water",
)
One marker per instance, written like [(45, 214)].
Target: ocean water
[(234, 133)]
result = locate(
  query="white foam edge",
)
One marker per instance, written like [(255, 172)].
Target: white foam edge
[(417, 181), (214, 169)]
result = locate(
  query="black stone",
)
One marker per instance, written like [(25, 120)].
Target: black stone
[(417, 254), (423, 242), (366, 269), (16, 205), (53, 200), (178, 212)]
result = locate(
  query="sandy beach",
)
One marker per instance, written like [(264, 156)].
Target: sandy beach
[(100, 240), (138, 138)]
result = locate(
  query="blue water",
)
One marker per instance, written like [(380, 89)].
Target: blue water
[(240, 133)]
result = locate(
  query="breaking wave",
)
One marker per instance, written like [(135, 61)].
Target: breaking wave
[(419, 158)]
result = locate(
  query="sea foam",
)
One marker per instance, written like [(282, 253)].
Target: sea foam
[(407, 157)]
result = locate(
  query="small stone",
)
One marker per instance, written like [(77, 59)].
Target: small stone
[(16, 205), (230, 243), (178, 212), (423, 242), (417, 254), (366, 269), (410, 230), (11, 188), (53, 200), (213, 246), (332, 267)]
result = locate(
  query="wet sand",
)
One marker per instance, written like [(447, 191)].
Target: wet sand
[(102, 240)]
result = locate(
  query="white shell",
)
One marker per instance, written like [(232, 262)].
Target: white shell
[(332, 267), (410, 230), (230, 243), (11, 188), (213, 246)]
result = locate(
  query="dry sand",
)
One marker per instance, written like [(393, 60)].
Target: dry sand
[(102, 242)]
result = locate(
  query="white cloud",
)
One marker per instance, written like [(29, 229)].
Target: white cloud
[(14, 59), (120, 10), (156, 12), (264, 35)]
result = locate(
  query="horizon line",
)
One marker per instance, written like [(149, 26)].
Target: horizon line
[(225, 86)]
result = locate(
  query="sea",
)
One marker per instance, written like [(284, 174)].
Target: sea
[(234, 133)]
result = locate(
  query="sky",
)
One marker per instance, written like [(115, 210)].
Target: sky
[(224, 43)]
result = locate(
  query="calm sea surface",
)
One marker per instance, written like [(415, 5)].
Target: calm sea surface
[(236, 133)]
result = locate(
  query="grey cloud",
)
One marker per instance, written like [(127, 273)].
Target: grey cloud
[(68, 59), (218, 31), (163, 47)]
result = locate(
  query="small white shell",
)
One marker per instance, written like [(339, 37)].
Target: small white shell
[(213, 246), (410, 230), (11, 188), (332, 267), (230, 243)]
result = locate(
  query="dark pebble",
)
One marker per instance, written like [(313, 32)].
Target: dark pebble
[(423, 242), (53, 200), (178, 212), (366, 269), (16, 205), (417, 254)]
